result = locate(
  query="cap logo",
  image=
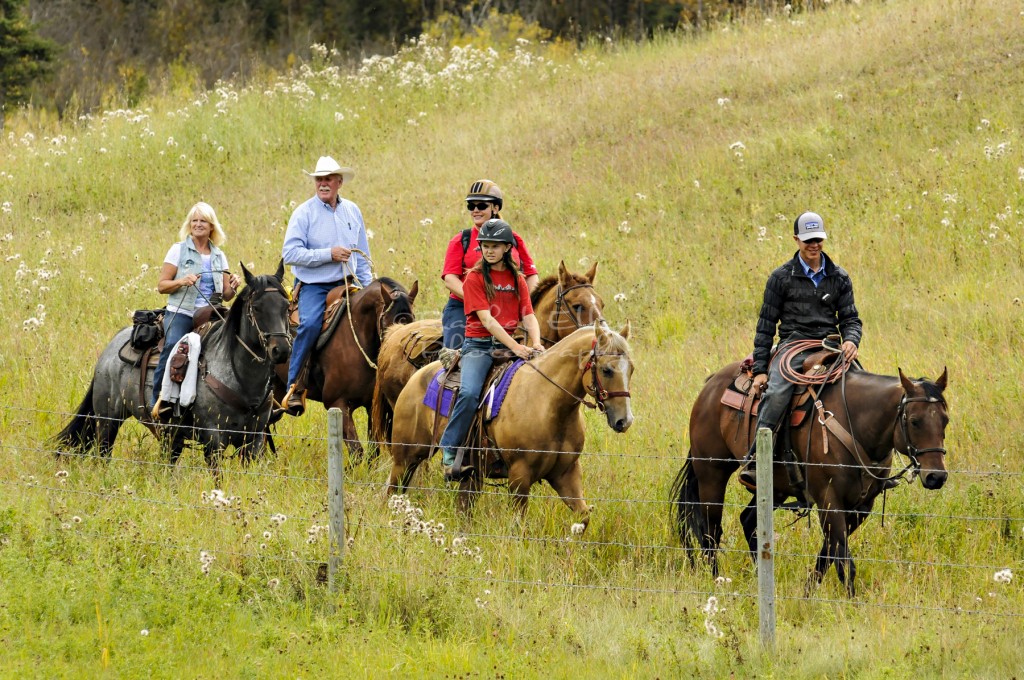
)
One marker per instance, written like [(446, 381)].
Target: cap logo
[(811, 226)]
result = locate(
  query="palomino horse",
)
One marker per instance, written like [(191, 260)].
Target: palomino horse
[(539, 429), (343, 372), (561, 304), (874, 414), (232, 404)]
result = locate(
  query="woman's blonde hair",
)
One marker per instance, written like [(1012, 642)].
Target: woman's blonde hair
[(204, 210)]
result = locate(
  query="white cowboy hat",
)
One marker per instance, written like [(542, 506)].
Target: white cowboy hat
[(328, 166)]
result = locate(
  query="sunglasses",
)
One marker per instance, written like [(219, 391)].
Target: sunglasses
[(814, 241), (477, 206)]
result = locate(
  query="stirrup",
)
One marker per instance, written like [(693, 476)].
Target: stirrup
[(748, 476), (294, 401)]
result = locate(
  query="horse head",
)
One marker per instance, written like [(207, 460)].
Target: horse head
[(395, 304), (265, 307), (921, 428), (576, 297), (609, 369)]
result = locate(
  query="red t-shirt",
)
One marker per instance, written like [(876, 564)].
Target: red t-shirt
[(506, 307), (455, 262)]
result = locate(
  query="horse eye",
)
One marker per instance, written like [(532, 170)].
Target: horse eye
[(578, 309), (915, 422), (607, 372)]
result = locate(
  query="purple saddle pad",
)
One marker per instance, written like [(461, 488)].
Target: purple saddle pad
[(493, 397)]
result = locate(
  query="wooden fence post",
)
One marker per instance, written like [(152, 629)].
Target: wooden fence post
[(765, 538), (335, 495)]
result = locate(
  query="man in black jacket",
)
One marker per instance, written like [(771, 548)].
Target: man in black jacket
[(807, 298)]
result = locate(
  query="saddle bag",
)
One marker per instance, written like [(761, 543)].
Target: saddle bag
[(147, 328), (177, 365)]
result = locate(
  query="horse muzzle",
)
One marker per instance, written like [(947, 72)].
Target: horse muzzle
[(933, 479), (619, 420), (279, 349)]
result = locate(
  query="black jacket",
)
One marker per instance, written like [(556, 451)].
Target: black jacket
[(803, 312)]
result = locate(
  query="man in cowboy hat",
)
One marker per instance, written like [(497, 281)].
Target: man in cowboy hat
[(324, 244)]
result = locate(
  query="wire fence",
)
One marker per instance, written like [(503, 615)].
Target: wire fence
[(366, 515)]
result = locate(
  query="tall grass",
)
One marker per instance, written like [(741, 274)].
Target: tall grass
[(679, 165)]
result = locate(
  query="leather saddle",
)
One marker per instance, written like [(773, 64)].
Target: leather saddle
[(738, 395), (335, 309), (477, 442), (423, 346), (202, 322)]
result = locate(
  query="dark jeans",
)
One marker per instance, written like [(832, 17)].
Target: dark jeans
[(476, 361), (779, 391), (312, 304), (176, 325), (453, 323)]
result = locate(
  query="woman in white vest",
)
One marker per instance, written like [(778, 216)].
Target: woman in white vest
[(194, 272)]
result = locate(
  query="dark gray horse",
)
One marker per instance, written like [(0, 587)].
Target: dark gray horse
[(233, 402)]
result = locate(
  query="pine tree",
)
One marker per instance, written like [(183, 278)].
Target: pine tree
[(24, 56)]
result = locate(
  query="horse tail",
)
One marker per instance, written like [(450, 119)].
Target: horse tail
[(80, 433), (381, 416), (687, 520)]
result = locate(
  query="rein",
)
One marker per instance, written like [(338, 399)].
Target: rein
[(599, 393), (263, 336), (348, 306)]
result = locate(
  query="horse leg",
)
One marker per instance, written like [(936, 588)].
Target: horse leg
[(569, 485), (834, 548), (748, 520), (349, 434), (405, 459), (519, 483), (106, 433), (469, 489), (711, 480)]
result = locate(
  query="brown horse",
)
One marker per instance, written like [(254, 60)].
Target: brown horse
[(561, 304), (342, 373), (879, 413), (539, 430)]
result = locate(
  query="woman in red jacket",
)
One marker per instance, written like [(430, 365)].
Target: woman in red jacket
[(484, 201)]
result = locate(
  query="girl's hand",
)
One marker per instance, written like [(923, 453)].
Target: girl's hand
[(234, 282), (522, 351), (188, 280)]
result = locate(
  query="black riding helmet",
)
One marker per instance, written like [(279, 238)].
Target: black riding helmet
[(496, 231)]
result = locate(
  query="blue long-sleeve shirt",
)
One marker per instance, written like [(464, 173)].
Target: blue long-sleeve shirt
[(315, 228)]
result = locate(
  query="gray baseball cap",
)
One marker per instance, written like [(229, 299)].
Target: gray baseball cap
[(809, 225)]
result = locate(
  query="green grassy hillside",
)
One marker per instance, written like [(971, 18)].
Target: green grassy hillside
[(679, 166)]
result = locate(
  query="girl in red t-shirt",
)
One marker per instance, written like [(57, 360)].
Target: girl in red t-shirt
[(496, 298)]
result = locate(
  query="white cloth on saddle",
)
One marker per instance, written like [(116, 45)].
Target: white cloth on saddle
[(185, 393)]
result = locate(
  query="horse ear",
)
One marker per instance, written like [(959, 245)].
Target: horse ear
[(625, 330), (908, 385), (414, 289), (279, 274), (941, 382), (563, 275), (248, 275), (385, 293), (592, 272)]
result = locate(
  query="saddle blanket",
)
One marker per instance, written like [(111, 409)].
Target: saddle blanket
[(493, 397)]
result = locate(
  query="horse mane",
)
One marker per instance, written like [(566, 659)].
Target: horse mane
[(401, 303), (549, 281)]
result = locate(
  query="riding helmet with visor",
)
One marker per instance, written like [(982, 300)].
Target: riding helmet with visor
[(496, 231), (484, 190)]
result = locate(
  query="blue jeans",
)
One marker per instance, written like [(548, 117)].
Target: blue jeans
[(176, 325), (453, 323), (779, 391), (476, 361), (312, 304)]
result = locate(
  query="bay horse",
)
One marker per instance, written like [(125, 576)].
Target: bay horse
[(883, 413), (539, 431), (343, 372), (232, 404), (562, 303)]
